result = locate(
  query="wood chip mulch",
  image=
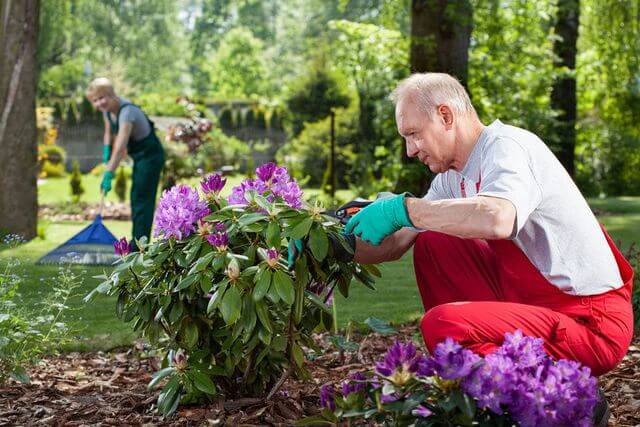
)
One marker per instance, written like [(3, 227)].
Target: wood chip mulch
[(82, 389), (82, 211)]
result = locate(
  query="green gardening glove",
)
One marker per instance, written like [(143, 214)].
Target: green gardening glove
[(106, 153), (380, 219), (105, 186)]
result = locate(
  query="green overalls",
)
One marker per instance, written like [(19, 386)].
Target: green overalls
[(148, 161)]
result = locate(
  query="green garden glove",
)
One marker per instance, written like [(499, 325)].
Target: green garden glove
[(105, 186), (380, 219), (106, 153)]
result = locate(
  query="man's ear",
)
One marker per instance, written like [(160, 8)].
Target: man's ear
[(446, 115)]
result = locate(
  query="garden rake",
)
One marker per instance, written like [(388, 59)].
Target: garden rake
[(91, 246)]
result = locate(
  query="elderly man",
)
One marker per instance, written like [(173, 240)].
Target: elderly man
[(503, 240)]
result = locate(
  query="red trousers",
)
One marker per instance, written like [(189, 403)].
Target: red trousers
[(474, 291)]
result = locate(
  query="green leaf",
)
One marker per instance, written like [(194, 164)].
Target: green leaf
[(169, 397), (314, 421), (465, 403), (263, 314), (300, 230), (231, 304), (318, 302), (251, 218), (273, 234), (284, 286), (181, 259), (263, 281), (201, 263), (342, 343), (380, 326), (190, 334), (298, 355), (318, 242), (192, 252), (187, 281), (216, 298), (159, 376), (19, 373), (203, 382)]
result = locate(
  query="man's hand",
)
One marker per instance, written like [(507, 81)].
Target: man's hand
[(106, 153), (105, 186), (379, 220)]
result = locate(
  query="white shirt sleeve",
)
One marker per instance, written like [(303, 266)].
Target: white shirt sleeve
[(436, 189), (507, 174)]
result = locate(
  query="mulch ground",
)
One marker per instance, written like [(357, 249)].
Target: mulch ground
[(80, 389)]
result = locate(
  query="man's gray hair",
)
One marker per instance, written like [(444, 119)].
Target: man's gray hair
[(429, 90)]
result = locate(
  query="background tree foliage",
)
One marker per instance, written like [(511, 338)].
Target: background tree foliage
[(261, 50)]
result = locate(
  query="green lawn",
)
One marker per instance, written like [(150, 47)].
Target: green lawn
[(396, 298)]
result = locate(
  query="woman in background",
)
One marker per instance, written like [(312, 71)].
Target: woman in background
[(128, 130)]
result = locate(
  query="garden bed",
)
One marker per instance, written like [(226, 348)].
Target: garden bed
[(111, 389)]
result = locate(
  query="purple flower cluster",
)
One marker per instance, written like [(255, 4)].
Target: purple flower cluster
[(219, 239), (272, 182), (122, 247), (272, 257), (521, 379), (178, 212)]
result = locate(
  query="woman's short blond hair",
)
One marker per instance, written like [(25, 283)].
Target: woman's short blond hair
[(101, 86), (429, 90)]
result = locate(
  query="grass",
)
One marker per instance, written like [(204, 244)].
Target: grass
[(396, 298)]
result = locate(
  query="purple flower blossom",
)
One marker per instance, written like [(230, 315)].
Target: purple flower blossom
[(272, 257), (451, 361), (271, 182), (220, 226), (212, 184), (179, 209), (218, 240), (326, 397), (122, 247), (265, 172), (355, 384), (421, 411), (400, 363)]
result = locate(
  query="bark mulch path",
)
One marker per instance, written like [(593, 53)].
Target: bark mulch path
[(82, 389)]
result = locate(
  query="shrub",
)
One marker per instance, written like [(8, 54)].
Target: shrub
[(52, 153), (214, 293), (25, 335), (632, 254), (75, 182), (50, 170)]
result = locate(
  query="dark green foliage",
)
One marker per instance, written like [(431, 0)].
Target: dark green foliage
[(226, 119), (75, 182), (314, 96)]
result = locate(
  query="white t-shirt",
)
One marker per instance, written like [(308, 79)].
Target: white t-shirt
[(555, 227)]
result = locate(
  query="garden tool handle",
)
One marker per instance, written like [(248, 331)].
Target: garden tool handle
[(101, 203)]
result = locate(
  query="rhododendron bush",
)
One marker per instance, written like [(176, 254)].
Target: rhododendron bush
[(213, 290)]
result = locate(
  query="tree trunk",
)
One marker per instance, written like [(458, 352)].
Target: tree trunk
[(563, 93), (440, 36), (18, 174)]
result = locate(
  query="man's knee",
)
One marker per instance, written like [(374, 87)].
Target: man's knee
[(444, 321)]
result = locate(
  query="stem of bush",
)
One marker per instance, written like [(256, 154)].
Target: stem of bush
[(292, 361)]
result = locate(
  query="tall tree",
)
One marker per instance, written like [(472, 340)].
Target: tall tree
[(18, 79), (563, 94), (440, 36)]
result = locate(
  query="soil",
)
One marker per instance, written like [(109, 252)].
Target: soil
[(79, 389)]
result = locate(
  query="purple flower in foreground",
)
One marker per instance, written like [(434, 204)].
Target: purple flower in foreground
[(238, 193), (179, 209), (451, 361), (326, 397), (400, 363), (218, 240), (122, 247), (421, 411), (355, 384), (526, 352), (212, 184), (265, 172), (272, 257)]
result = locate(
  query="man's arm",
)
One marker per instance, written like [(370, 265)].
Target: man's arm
[(479, 217), (106, 138), (391, 248), (120, 145)]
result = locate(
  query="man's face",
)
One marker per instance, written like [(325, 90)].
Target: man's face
[(101, 102), (432, 140)]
